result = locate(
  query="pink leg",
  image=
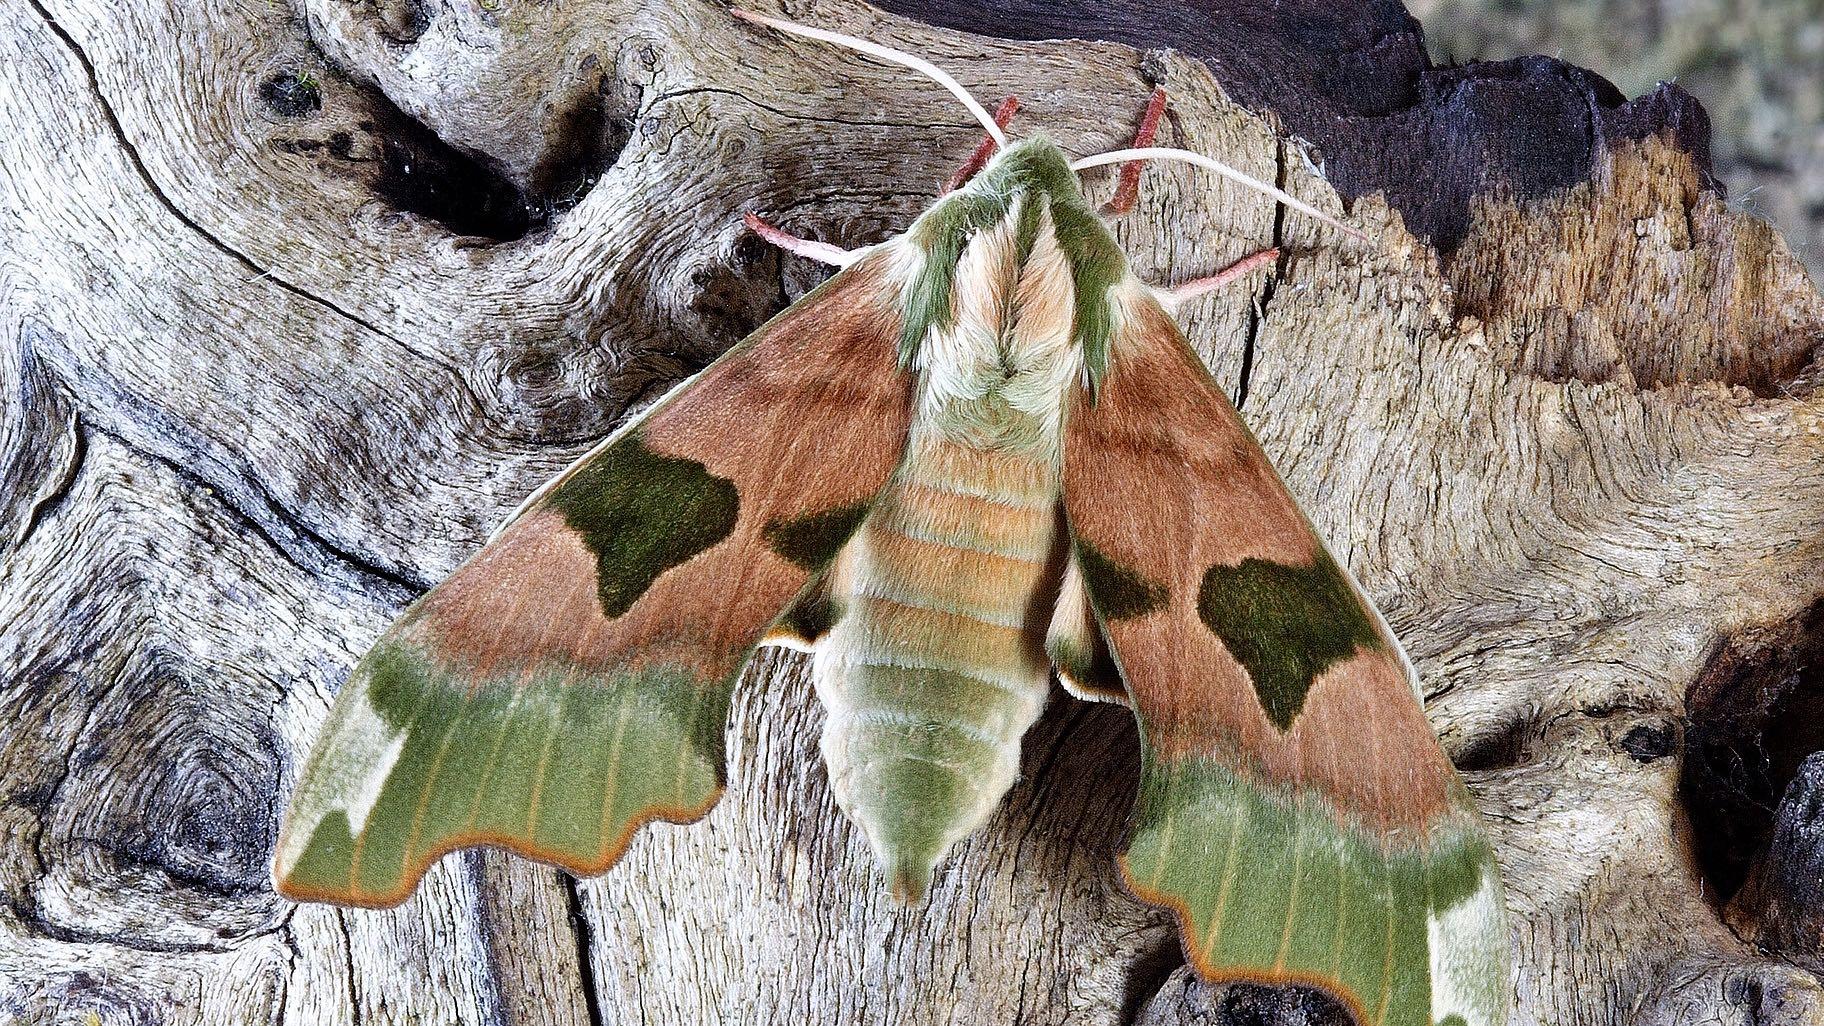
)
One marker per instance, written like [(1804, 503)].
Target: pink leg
[(1128, 192), (810, 249), (1179, 294), (979, 159)]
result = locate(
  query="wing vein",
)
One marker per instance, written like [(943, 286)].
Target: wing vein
[(492, 763), (354, 854), (684, 750), (612, 793), (1380, 1017), (1336, 937), (1298, 858), (1228, 882), (423, 803), (544, 761)]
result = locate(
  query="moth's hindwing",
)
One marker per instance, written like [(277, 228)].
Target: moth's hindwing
[(1296, 809), (572, 680)]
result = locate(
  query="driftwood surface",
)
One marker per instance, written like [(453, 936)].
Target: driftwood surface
[(298, 301)]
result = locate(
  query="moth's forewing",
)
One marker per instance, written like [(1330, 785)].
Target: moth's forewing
[(1296, 809), (571, 681)]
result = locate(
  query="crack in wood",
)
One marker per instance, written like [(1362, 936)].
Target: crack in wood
[(1257, 313), (289, 523), (348, 964), (583, 931), (47, 501)]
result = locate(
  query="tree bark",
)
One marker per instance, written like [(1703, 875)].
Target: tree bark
[(299, 302)]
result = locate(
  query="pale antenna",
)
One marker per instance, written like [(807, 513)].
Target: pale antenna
[(885, 53), (1211, 164)]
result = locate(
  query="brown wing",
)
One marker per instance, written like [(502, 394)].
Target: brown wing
[(571, 681), (1295, 809)]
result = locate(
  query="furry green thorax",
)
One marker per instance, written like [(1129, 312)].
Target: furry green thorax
[(1040, 172)]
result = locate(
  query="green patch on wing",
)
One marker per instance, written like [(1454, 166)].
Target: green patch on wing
[(1038, 171), (813, 540), (642, 513), (1117, 592), (1271, 885), (1285, 624), (554, 763)]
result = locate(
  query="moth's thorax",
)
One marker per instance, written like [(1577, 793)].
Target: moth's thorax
[(1011, 275), (996, 375)]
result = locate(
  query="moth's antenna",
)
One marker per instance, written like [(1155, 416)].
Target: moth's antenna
[(1209, 163), (905, 60)]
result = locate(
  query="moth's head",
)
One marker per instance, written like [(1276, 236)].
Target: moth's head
[(1033, 166)]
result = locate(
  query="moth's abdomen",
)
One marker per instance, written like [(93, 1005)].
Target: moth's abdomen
[(936, 668)]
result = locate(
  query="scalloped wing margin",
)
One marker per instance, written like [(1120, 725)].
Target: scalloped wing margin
[(572, 680), (1296, 810)]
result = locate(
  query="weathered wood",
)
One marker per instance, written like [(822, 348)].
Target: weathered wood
[(1782, 906), (253, 403)]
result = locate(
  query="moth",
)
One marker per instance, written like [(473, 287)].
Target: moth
[(980, 452)]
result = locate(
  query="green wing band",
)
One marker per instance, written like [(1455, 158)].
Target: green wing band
[(1271, 886), (552, 764)]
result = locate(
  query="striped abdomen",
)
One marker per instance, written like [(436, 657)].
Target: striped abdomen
[(937, 665)]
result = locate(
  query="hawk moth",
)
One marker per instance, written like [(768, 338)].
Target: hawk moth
[(981, 452)]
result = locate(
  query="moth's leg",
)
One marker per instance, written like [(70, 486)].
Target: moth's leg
[(811, 249), (979, 159), (1183, 292), (1128, 191)]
